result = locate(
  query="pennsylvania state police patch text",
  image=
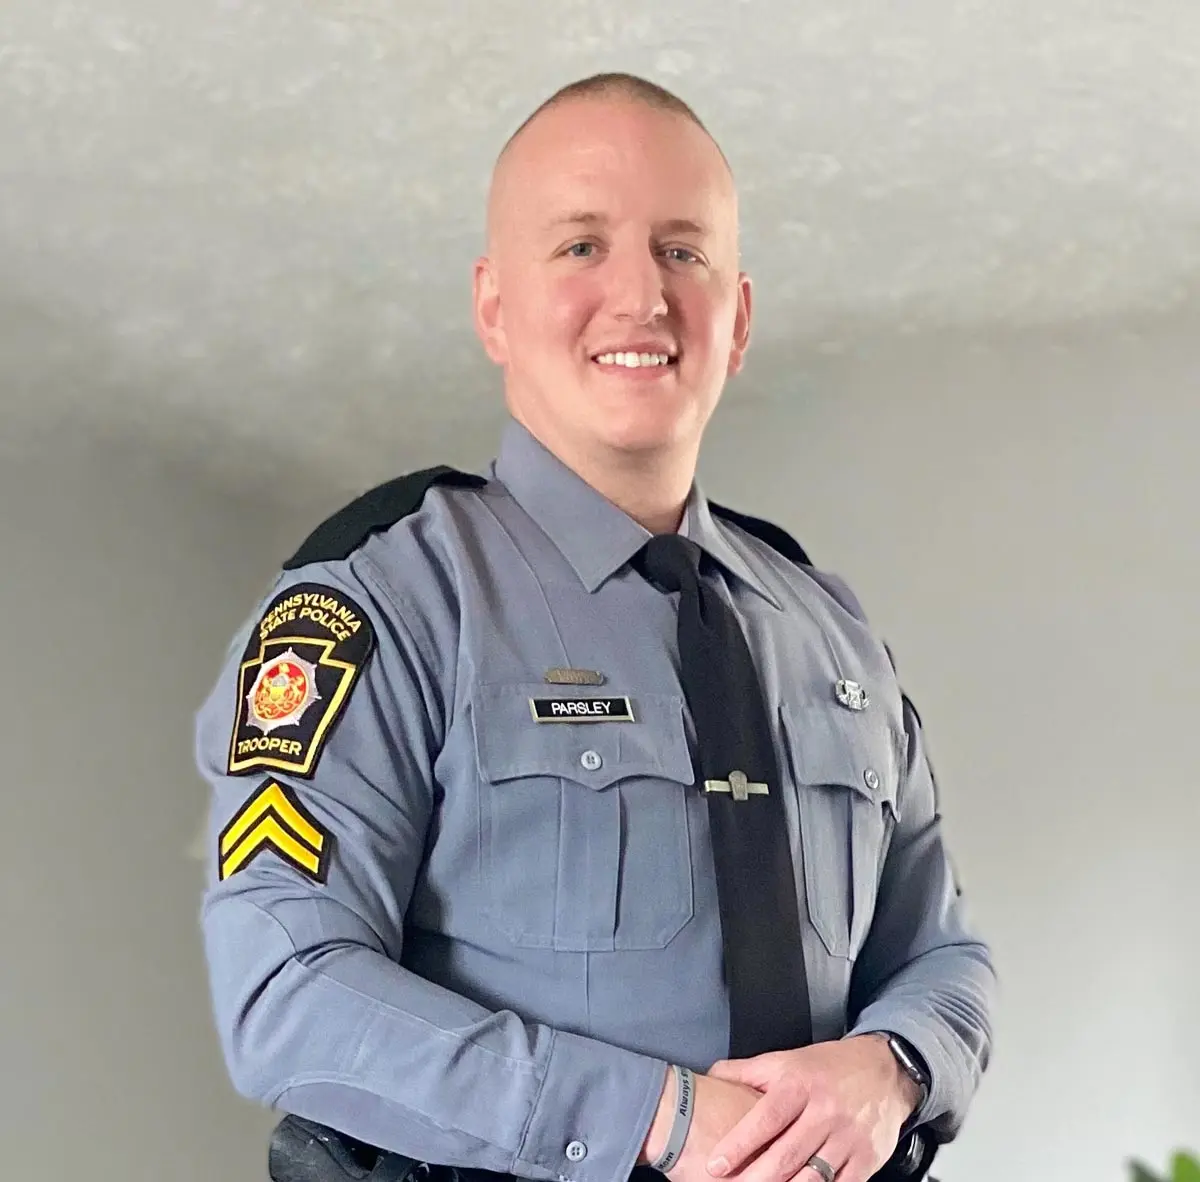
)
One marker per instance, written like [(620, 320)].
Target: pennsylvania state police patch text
[(299, 666)]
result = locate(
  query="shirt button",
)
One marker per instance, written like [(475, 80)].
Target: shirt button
[(577, 1150), (592, 761), (872, 778)]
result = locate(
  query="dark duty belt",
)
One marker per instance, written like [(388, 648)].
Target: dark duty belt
[(304, 1151)]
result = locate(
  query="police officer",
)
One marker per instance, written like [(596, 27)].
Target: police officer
[(473, 896)]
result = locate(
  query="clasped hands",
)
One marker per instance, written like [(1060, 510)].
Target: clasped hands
[(762, 1119)]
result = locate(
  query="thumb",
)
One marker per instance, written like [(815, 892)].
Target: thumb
[(755, 1072)]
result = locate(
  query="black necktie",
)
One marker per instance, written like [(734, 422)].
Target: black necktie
[(735, 758)]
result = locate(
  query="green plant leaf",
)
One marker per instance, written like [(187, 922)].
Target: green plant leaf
[(1185, 1168)]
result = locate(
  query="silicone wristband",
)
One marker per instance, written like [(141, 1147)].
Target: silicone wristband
[(685, 1095)]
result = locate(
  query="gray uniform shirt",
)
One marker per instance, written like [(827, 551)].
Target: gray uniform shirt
[(479, 939)]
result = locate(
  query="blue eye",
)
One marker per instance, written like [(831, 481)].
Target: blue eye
[(692, 257), (574, 249)]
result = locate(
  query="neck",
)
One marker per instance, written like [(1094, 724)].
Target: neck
[(655, 502), (652, 487)]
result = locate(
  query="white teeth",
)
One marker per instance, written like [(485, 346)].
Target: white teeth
[(634, 360)]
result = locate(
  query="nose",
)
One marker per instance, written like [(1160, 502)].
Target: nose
[(636, 290)]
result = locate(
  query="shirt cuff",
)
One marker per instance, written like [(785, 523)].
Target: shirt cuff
[(926, 1045), (592, 1113)]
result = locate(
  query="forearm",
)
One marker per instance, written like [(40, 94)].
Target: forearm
[(941, 1002), (340, 1033)]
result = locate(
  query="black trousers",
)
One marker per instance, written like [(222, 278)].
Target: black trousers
[(304, 1151)]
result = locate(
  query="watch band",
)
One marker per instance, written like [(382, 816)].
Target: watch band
[(910, 1062)]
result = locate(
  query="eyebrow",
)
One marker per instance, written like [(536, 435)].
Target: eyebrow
[(584, 218)]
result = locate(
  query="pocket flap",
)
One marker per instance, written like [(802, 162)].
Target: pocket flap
[(834, 746), (511, 744)]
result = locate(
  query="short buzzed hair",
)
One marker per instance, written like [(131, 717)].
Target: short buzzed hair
[(618, 85)]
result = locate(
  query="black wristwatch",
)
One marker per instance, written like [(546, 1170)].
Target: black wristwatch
[(911, 1063)]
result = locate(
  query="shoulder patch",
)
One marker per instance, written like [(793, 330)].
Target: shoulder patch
[(274, 819), (766, 531), (298, 668), (340, 535)]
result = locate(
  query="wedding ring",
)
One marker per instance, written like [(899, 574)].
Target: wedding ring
[(827, 1172)]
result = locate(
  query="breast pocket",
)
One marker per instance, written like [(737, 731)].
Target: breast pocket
[(846, 770), (583, 826)]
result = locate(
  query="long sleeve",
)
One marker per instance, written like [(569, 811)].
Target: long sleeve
[(315, 844), (922, 973)]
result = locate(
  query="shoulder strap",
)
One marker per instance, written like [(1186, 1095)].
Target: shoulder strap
[(775, 537), (340, 535)]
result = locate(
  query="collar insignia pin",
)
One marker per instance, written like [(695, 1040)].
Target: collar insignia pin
[(851, 695)]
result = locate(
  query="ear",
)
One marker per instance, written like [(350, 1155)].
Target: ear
[(489, 319), (741, 324)]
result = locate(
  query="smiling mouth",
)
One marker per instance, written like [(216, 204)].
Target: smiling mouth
[(634, 360)]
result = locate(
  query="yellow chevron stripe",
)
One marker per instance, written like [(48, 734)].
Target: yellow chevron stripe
[(269, 832), (271, 799)]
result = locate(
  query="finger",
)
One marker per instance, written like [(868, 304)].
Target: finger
[(856, 1168), (731, 1069), (838, 1157), (787, 1156), (760, 1126), (753, 1071)]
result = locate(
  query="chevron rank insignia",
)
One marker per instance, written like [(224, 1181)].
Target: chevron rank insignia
[(300, 663), (274, 819)]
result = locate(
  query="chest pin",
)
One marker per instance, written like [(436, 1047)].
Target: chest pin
[(851, 695), (568, 676)]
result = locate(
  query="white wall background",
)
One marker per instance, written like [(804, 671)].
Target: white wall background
[(1019, 515)]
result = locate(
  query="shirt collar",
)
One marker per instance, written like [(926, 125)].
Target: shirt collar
[(715, 538), (594, 535)]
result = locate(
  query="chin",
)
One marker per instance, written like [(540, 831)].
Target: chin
[(653, 428), (636, 438)]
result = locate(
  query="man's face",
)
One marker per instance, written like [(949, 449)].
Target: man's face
[(613, 230)]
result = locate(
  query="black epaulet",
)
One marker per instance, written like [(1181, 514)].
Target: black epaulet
[(340, 535), (765, 531)]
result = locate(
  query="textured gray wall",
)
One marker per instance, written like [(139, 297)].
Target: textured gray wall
[(226, 211)]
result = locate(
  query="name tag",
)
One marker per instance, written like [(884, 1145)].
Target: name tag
[(581, 709)]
